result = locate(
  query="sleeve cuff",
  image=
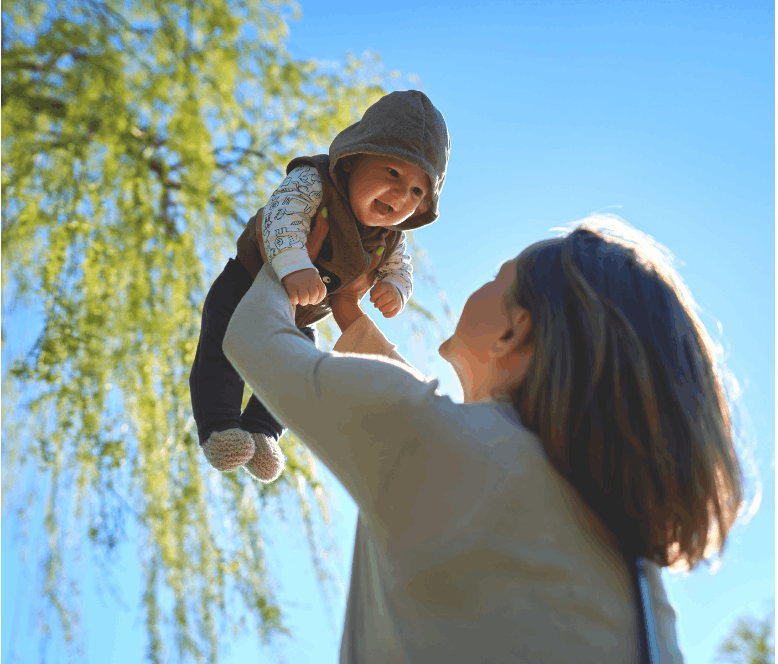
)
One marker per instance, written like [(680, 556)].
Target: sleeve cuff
[(291, 260), (364, 337)]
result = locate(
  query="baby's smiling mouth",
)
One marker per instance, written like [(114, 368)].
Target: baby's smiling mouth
[(383, 208)]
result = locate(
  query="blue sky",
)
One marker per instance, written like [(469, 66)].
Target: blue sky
[(661, 112)]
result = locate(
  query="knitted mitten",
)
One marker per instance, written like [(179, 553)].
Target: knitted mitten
[(226, 450), (268, 460)]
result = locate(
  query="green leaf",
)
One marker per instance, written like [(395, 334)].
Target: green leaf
[(134, 135)]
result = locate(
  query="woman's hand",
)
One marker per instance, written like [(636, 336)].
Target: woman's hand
[(345, 304)]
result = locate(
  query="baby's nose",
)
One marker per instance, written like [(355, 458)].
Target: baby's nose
[(401, 193)]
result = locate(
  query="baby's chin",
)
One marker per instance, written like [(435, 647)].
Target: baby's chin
[(379, 223)]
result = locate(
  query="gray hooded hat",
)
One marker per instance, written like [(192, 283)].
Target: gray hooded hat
[(405, 125)]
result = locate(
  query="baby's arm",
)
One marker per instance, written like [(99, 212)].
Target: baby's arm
[(286, 223), (394, 282)]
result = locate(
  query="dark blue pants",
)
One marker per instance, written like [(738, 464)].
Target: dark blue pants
[(215, 386)]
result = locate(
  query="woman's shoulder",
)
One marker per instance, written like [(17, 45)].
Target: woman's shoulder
[(493, 430), (485, 437)]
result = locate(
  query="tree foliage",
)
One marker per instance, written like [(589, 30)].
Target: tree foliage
[(749, 642), (136, 138)]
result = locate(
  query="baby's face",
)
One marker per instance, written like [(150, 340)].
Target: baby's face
[(385, 191)]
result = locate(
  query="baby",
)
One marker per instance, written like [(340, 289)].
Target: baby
[(383, 176)]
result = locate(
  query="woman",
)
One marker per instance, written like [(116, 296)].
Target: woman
[(594, 430)]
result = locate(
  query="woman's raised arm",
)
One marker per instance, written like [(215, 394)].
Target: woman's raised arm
[(355, 413)]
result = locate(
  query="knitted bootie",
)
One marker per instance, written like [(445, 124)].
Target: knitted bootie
[(226, 450), (268, 460)]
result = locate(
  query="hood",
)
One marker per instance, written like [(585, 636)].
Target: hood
[(405, 125)]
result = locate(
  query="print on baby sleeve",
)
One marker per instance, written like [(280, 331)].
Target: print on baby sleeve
[(287, 217)]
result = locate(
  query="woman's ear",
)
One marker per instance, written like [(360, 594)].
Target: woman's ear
[(514, 337), (522, 325)]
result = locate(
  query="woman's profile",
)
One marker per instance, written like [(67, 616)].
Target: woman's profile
[(595, 430)]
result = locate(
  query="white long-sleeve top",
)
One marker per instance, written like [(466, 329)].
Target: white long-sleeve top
[(286, 223), (470, 547)]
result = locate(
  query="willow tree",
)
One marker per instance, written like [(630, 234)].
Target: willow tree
[(136, 138), (750, 641)]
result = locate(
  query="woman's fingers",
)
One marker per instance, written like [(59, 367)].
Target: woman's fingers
[(345, 304)]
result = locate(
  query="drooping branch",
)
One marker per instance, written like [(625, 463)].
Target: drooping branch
[(143, 145)]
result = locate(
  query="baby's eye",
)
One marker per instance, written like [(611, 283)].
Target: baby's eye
[(417, 191), (393, 173)]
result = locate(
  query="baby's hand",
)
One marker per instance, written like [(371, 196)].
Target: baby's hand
[(386, 298), (304, 287)]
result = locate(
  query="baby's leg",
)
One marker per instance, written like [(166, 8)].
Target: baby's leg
[(216, 388)]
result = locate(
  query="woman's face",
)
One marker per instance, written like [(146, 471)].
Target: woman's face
[(489, 349)]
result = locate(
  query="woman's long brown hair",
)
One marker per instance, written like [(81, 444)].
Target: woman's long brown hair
[(624, 391)]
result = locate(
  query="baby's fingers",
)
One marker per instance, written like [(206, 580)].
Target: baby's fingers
[(313, 293), (390, 310), (383, 300), (385, 294), (293, 297), (380, 289), (307, 295), (320, 293)]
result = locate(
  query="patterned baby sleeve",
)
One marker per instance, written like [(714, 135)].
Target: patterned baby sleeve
[(397, 270), (286, 221)]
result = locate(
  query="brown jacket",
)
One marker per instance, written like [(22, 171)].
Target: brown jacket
[(346, 253)]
